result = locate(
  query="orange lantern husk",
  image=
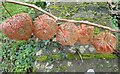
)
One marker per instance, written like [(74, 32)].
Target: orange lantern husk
[(67, 34), (45, 27), (85, 34), (18, 27), (105, 42)]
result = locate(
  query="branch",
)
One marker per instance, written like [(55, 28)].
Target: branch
[(59, 19), (31, 6), (92, 24), (6, 9)]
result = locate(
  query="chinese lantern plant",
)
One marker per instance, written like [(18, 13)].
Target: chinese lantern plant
[(105, 42), (18, 27), (67, 34), (45, 27), (85, 34)]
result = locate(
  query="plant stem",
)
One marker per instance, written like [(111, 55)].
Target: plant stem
[(6, 9), (63, 20)]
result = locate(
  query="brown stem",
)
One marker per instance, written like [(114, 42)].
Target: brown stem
[(89, 23), (6, 9), (63, 20)]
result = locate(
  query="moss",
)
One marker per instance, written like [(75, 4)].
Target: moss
[(54, 7), (70, 56), (96, 30), (84, 56), (42, 58), (87, 56), (66, 10), (34, 69), (56, 57), (106, 56), (80, 19)]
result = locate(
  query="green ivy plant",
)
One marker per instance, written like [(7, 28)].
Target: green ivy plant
[(17, 56), (114, 19)]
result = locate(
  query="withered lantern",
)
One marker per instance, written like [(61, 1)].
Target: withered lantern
[(18, 27), (105, 42), (86, 33), (45, 27), (67, 34)]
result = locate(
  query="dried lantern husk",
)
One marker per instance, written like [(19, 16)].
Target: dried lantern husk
[(105, 42), (45, 27), (85, 34), (67, 34), (18, 27)]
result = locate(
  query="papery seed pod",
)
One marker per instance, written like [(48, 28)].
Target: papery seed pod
[(85, 34), (105, 42), (67, 34), (18, 27), (45, 27)]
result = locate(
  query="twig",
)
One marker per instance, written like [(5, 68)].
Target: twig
[(59, 19), (80, 56), (92, 24), (31, 6), (6, 9)]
